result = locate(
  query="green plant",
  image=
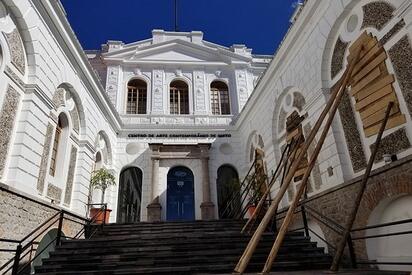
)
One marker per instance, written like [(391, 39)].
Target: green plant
[(101, 179)]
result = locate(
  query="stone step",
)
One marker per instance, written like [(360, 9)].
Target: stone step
[(189, 246), (187, 261), (176, 248), (172, 238), (126, 256)]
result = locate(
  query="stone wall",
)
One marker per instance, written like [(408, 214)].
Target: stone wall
[(20, 214)]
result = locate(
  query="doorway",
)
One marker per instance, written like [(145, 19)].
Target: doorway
[(180, 198), (130, 195)]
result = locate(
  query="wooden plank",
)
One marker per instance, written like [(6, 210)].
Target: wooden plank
[(375, 86), (363, 38), (367, 46), (378, 117), (368, 68), (300, 172), (366, 80), (373, 53), (378, 105), (392, 122), (294, 133), (374, 97), (303, 164)]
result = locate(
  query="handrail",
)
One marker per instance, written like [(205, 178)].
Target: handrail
[(325, 218), (23, 251), (382, 225)]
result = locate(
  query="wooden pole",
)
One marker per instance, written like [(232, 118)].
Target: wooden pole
[(289, 216), (262, 200), (251, 247), (352, 216)]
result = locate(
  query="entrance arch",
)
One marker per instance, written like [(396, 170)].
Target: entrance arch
[(180, 197), (227, 184), (130, 195)]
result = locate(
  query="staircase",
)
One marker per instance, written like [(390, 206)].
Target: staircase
[(199, 247)]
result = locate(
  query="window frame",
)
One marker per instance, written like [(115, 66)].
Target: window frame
[(175, 93), (140, 97), (216, 98)]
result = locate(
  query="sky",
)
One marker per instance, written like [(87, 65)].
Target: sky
[(259, 24)]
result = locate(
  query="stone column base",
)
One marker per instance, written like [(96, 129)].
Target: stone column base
[(154, 211), (207, 210)]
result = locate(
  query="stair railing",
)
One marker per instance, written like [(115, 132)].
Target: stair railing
[(25, 247), (329, 110), (234, 206), (288, 154)]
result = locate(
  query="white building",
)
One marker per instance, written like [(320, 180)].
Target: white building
[(171, 110)]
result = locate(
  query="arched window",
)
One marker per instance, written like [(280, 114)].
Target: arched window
[(136, 97), (98, 161), (59, 143), (179, 98), (219, 98)]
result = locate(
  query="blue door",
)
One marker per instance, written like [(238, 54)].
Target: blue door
[(180, 195)]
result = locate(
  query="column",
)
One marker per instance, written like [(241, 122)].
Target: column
[(207, 207), (154, 209)]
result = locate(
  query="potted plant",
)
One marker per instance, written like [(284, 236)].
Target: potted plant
[(255, 194), (101, 179)]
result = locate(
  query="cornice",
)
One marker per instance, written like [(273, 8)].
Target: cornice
[(55, 18)]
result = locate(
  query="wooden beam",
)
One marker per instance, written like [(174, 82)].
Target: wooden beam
[(358, 199), (289, 216), (374, 52), (375, 73), (378, 117), (332, 103), (377, 85), (378, 105), (368, 68), (392, 122), (374, 97)]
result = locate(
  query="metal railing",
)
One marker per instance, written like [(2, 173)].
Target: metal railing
[(354, 259), (26, 248)]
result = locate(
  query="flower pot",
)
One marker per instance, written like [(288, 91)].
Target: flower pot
[(98, 215), (251, 209)]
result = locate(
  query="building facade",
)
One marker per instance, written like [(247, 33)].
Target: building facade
[(171, 114)]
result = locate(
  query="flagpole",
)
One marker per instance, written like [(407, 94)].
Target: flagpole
[(176, 27)]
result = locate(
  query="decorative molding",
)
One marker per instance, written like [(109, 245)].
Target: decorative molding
[(14, 77), (395, 29), (401, 56), (70, 176), (45, 158), (8, 116), (377, 15), (338, 57), (16, 50), (393, 143), (54, 193)]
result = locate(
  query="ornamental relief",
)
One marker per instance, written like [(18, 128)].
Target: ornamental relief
[(16, 50)]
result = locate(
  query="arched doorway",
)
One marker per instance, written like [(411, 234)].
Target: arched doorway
[(395, 248), (46, 245), (130, 195), (180, 197), (227, 184)]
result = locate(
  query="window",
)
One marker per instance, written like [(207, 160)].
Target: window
[(59, 143), (136, 97), (219, 98), (179, 98)]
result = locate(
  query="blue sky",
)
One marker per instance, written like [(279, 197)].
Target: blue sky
[(260, 24)]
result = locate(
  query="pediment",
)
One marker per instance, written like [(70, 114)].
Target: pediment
[(174, 51)]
